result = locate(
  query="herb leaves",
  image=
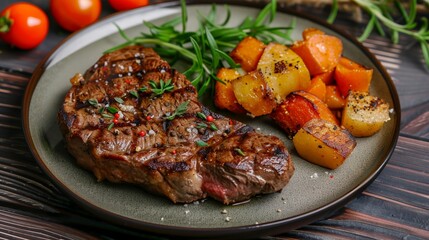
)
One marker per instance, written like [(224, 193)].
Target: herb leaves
[(162, 87), (206, 48), (381, 13), (180, 110)]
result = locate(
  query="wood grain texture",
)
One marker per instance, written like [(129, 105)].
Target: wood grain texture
[(394, 206)]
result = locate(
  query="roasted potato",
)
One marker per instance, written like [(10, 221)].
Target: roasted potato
[(283, 70), (324, 143), (333, 98), (247, 53), (298, 108), (253, 94), (224, 97), (364, 115)]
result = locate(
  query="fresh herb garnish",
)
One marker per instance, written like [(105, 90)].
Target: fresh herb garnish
[(381, 13), (159, 89), (207, 48), (180, 110), (119, 100), (143, 89), (106, 115), (201, 125), (134, 94), (201, 143), (93, 102), (239, 151), (112, 110), (201, 115), (110, 126)]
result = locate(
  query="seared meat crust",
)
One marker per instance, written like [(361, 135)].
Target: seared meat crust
[(116, 127)]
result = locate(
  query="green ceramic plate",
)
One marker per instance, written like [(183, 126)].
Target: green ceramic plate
[(312, 193)]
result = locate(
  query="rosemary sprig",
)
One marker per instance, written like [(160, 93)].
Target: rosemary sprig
[(142, 89), (180, 110), (201, 143), (119, 100), (112, 110), (201, 125), (134, 94), (108, 116), (239, 151), (201, 115), (207, 48), (380, 13), (93, 102), (161, 87)]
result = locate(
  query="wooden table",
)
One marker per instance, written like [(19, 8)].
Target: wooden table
[(394, 206)]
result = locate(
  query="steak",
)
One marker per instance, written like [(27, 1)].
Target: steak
[(117, 125)]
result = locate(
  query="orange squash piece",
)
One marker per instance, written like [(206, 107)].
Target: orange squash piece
[(333, 99), (326, 77), (224, 97), (309, 32), (317, 88), (298, 108), (351, 76), (320, 52), (248, 52)]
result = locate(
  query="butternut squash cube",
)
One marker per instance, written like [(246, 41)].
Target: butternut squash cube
[(248, 52), (298, 108), (224, 97)]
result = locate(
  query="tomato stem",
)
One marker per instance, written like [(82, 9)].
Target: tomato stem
[(5, 23)]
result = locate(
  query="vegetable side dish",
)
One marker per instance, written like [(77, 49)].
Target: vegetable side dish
[(319, 97)]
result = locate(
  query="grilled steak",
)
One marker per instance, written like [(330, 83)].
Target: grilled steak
[(119, 126)]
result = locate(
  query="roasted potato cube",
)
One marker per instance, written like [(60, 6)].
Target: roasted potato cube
[(253, 94), (364, 115), (298, 108), (283, 70), (323, 143), (333, 98), (224, 97), (248, 52)]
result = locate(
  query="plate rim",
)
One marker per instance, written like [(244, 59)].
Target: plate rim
[(273, 227)]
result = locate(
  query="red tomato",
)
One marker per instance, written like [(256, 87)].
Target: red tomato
[(121, 5), (23, 25), (73, 15)]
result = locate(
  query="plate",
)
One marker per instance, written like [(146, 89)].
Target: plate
[(312, 193)]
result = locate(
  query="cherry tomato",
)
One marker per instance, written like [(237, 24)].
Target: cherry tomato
[(73, 15), (121, 5), (23, 25)]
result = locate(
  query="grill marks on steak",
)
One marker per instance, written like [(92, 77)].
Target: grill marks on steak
[(167, 159), (230, 176)]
